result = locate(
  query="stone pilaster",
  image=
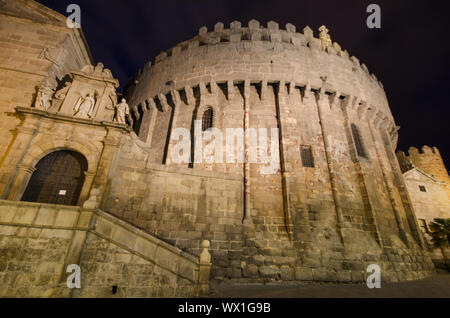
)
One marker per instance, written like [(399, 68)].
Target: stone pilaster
[(12, 169)]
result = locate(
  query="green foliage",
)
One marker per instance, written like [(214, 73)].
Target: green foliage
[(440, 232)]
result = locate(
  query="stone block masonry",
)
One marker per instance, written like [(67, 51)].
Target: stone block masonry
[(428, 186), (323, 222), (335, 202), (429, 160), (39, 241)]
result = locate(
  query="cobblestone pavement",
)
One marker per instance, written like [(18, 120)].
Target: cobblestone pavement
[(436, 286)]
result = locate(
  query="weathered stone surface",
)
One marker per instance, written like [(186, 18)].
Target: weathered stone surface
[(250, 271), (428, 186), (269, 271), (143, 266), (344, 276), (303, 274), (334, 215), (320, 274), (287, 273)]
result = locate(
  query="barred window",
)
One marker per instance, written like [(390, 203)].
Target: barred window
[(207, 119), (307, 156), (358, 142)]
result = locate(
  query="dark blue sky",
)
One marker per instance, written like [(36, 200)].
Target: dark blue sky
[(410, 54)]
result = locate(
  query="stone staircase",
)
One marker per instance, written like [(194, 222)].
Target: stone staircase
[(39, 241)]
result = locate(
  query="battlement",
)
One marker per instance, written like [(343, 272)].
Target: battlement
[(427, 158), (258, 54), (256, 35), (423, 152)]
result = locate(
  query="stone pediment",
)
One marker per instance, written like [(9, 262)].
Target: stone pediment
[(32, 10), (417, 174), (97, 73), (86, 94)]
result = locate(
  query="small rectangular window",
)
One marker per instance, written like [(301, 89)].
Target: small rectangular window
[(358, 142), (422, 188), (307, 156)]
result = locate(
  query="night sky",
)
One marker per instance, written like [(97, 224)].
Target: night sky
[(410, 54)]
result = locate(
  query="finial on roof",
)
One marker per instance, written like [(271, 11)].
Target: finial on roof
[(324, 37)]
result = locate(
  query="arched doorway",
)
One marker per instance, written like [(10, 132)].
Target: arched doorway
[(58, 179)]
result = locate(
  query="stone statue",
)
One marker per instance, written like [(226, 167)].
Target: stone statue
[(60, 95), (324, 37), (84, 108), (44, 98), (98, 70), (122, 110), (62, 92)]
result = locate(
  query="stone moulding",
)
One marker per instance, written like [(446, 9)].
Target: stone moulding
[(363, 107), (60, 117)]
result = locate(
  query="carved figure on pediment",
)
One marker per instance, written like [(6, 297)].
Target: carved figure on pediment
[(88, 69), (122, 110), (112, 102), (62, 92), (98, 70), (44, 98), (84, 108)]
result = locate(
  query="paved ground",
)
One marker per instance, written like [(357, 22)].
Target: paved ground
[(436, 286)]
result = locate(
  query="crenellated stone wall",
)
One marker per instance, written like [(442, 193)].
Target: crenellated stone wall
[(429, 160), (427, 182), (323, 222), (259, 55)]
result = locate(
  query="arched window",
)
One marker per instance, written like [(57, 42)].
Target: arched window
[(58, 179), (358, 142), (207, 119)]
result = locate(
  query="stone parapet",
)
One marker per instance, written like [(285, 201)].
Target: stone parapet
[(197, 68)]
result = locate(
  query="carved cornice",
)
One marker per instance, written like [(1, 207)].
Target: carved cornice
[(59, 117)]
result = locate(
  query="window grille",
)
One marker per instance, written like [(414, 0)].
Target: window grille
[(207, 119), (307, 156)]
